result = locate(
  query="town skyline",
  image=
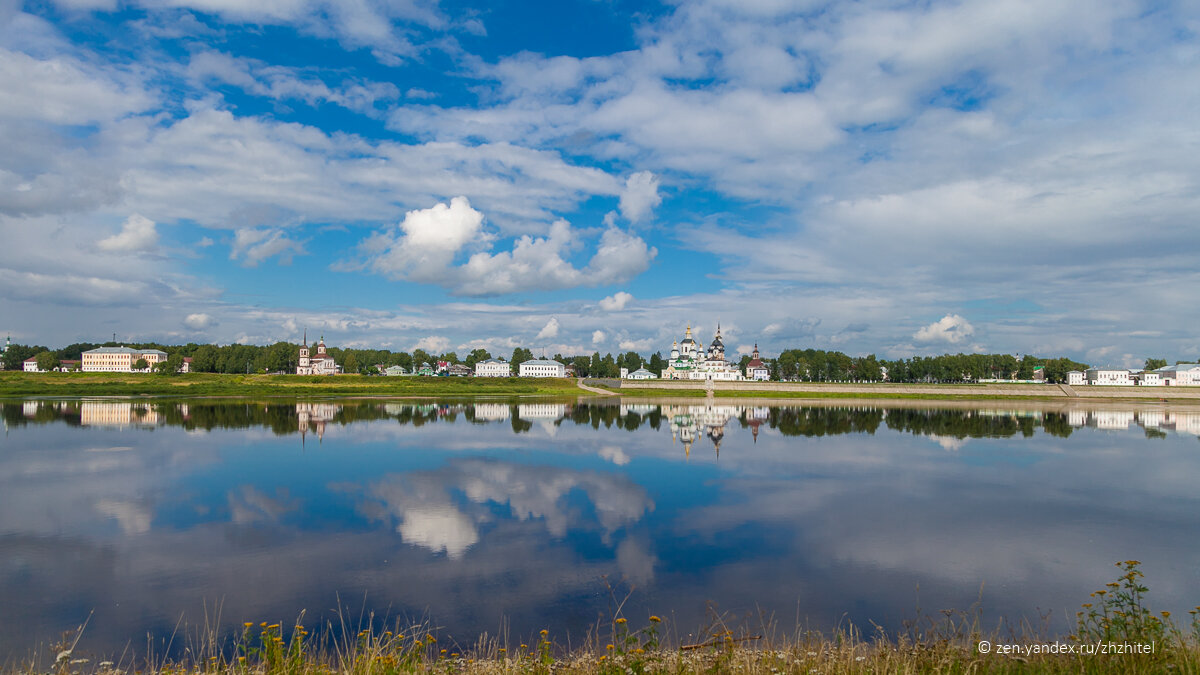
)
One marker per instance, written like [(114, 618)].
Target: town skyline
[(576, 177)]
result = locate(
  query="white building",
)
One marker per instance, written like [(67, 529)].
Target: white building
[(318, 362), (119, 359), (30, 365), (493, 368), (756, 369), (1181, 375), (542, 368), (641, 374), (1149, 378), (1076, 377), (689, 361), (1109, 377), (394, 371)]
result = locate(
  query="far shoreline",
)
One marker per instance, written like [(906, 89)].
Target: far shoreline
[(15, 384)]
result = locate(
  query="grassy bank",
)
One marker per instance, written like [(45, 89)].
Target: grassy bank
[(1114, 633), (951, 394), (213, 384)]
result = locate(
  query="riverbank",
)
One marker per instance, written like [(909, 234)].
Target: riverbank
[(882, 390), (13, 384)]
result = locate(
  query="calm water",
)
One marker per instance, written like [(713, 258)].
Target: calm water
[(491, 514)]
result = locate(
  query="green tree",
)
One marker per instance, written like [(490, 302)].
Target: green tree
[(609, 366), (171, 366), (476, 356), (1155, 364), (520, 355), (656, 364), (140, 364), (46, 361), (14, 358), (350, 364)]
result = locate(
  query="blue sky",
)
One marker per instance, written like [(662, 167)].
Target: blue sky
[(876, 177)]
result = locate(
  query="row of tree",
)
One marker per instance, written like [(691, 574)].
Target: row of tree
[(791, 364)]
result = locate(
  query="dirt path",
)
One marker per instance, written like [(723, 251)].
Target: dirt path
[(602, 392)]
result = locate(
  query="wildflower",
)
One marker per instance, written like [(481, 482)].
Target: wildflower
[(502, 650), (249, 623), (654, 619), (621, 620), (610, 647)]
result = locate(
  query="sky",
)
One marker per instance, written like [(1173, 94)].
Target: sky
[(887, 177)]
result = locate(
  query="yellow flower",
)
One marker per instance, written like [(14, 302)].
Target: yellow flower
[(249, 623), (610, 647), (621, 620), (654, 619)]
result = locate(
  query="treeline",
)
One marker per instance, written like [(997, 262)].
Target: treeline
[(806, 365)]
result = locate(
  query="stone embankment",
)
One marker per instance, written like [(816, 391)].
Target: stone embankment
[(966, 390)]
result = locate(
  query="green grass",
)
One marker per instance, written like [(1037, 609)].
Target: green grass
[(212, 384), (949, 642), (817, 394)]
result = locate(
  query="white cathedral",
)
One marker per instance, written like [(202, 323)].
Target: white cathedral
[(689, 361)]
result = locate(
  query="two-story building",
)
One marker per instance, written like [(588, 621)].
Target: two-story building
[(493, 368), (119, 359), (542, 368)]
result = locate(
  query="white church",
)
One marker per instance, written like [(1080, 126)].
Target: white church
[(689, 360)]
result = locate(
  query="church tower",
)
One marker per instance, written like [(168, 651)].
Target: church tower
[(305, 364)]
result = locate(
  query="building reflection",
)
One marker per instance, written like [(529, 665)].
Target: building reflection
[(116, 414), (315, 416)]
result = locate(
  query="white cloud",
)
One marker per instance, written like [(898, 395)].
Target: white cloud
[(254, 245), (198, 321), (137, 234), (598, 337), (433, 344), (430, 240), (614, 454), (951, 328), (550, 330), (616, 302), (640, 196)]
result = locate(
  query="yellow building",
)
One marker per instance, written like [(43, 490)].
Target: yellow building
[(119, 359)]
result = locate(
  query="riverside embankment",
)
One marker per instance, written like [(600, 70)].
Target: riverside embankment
[(899, 390)]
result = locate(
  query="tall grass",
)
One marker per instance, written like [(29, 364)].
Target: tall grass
[(946, 642)]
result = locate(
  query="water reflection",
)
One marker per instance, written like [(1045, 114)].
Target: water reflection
[(143, 509), (687, 423)]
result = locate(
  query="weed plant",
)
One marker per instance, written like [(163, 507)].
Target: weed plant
[(945, 642)]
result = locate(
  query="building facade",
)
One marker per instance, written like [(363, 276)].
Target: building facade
[(1109, 377), (1180, 375), (119, 359), (316, 361), (493, 368), (690, 361), (542, 368), (756, 369)]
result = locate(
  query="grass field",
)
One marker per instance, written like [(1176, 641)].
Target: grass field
[(14, 384)]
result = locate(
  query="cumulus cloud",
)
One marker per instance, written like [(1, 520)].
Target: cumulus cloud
[(951, 328), (598, 337), (550, 330), (640, 196), (137, 234), (616, 302), (434, 344), (198, 321), (429, 241)]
